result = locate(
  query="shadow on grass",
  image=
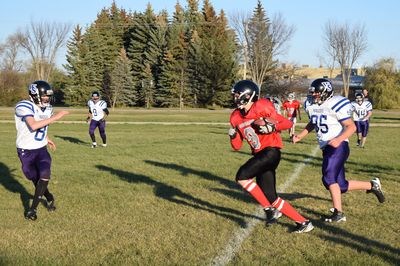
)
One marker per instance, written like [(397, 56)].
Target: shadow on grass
[(359, 243), (71, 139), (10, 183), (177, 196), (356, 166)]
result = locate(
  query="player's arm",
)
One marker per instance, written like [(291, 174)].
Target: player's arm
[(369, 113), (309, 127), (89, 115), (298, 111), (35, 125), (51, 144), (348, 129), (106, 113)]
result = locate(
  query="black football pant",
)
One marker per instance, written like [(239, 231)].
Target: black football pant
[(262, 166)]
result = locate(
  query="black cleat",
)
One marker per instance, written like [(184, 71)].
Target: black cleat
[(377, 189), (272, 215), (305, 227), (336, 217), (51, 205), (31, 215)]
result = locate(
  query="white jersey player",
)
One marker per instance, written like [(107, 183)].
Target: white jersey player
[(27, 138), (97, 114), (331, 118), (362, 111), (31, 120)]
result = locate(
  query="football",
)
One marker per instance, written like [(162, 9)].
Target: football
[(264, 125)]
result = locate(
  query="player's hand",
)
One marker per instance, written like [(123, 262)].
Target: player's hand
[(232, 133), (51, 145), (334, 142), (87, 119), (295, 139)]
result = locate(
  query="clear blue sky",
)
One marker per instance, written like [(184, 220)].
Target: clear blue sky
[(381, 19)]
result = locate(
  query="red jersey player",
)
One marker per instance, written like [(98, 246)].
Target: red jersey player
[(256, 121), (291, 109)]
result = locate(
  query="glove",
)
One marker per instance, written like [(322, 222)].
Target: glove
[(263, 126), (267, 129), (232, 133)]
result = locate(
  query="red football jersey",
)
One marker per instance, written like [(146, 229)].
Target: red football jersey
[(261, 108), (291, 108)]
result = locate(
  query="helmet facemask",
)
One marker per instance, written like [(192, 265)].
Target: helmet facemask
[(41, 93)]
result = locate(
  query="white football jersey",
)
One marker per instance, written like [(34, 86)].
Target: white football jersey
[(97, 109), (27, 138), (360, 111), (327, 117)]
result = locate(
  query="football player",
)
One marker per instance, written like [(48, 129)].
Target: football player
[(256, 121), (331, 118), (291, 110), (32, 118), (362, 111), (97, 115)]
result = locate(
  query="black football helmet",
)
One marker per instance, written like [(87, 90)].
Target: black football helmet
[(321, 90), (359, 98), (39, 89), (245, 91)]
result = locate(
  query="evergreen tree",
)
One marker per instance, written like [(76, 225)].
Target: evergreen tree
[(122, 89), (172, 85)]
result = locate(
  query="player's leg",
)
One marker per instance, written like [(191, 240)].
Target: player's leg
[(30, 171), (334, 178), (43, 164), (245, 176), (92, 128), (364, 132), (102, 130), (358, 130)]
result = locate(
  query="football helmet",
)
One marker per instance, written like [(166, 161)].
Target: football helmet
[(245, 91), (321, 90), (359, 98), (291, 96), (38, 90)]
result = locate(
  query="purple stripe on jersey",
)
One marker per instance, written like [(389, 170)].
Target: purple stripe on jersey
[(27, 105), (339, 102), (344, 119), (343, 105)]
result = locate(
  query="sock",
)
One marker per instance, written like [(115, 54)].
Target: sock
[(46, 194), (41, 187), (288, 210), (254, 190), (92, 136)]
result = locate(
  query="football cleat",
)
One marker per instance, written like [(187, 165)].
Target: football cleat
[(104, 145), (336, 217), (94, 145), (304, 227), (51, 206), (376, 188), (272, 215), (31, 215)]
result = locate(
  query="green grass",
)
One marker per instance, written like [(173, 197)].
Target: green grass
[(165, 195)]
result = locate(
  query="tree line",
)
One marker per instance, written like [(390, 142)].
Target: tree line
[(191, 59)]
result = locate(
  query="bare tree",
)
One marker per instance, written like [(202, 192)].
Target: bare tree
[(9, 54), (345, 45), (262, 41), (42, 42), (239, 22)]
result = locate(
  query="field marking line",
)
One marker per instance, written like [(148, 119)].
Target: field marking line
[(240, 235)]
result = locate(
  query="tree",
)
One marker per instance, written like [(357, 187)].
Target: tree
[(42, 42), (261, 40), (345, 45), (382, 81), (122, 88), (9, 54)]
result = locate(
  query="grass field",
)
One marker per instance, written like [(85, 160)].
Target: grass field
[(164, 194)]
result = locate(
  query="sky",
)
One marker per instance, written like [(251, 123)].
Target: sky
[(380, 18)]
